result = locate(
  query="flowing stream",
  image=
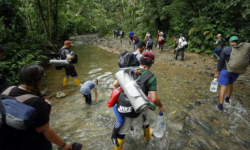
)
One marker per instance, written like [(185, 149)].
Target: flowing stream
[(192, 120)]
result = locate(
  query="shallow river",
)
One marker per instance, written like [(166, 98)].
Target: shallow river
[(192, 120)]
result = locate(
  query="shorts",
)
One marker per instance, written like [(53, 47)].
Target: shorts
[(226, 78), (71, 71)]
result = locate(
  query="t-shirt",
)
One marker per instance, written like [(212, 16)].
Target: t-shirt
[(183, 42), (150, 84), (64, 53), (29, 139), (224, 56), (138, 56), (87, 87), (218, 41), (131, 33)]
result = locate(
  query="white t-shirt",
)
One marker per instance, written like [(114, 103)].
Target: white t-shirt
[(183, 42)]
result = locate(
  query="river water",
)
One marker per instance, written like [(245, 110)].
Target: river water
[(192, 123)]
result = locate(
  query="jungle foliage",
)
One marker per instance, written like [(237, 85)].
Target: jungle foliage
[(31, 27)]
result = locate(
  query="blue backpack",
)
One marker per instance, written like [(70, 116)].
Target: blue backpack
[(14, 113), (150, 42)]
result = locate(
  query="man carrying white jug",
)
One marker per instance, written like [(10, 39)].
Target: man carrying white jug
[(230, 66)]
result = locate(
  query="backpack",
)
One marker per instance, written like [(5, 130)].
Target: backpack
[(239, 58), (222, 42), (14, 113), (127, 59), (163, 39), (136, 39), (150, 42), (185, 43), (124, 107)]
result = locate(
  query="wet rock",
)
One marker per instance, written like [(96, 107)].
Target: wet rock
[(194, 62), (198, 87), (45, 92), (60, 94), (225, 132), (190, 107), (193, 79), (198, 103), (211, 74), (177, 127)]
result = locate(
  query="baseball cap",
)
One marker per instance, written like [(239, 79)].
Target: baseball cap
[(233, 38), (148, 55), (68, 43), (3, 48)]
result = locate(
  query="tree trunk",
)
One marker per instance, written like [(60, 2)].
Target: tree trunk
[(42, 17)]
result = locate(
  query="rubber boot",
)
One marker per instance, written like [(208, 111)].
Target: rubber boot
[(77, 81), (65, 81), (120, 141), (114, 137), (148, 132)]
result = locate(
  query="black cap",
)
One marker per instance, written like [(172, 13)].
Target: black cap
[(3, 48)]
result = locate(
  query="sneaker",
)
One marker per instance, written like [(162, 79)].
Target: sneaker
[(227, 101), (219, 107)]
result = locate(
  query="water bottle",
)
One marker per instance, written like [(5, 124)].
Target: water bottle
[(214, 85), (159, 127)]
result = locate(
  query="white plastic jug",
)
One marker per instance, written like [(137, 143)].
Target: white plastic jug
[(214, 85)]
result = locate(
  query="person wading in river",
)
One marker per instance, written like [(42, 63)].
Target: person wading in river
[(146, 62), (86, 90), (226, 79), (69, 70)]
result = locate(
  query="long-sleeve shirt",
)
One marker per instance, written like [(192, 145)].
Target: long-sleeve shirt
[(224, 56)]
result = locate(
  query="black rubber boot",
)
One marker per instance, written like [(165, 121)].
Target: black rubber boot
[(114, 137)]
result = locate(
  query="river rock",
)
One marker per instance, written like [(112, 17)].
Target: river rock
[(45, 92), (225, 132), (60, 94)]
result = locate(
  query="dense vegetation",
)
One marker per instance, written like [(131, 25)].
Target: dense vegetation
[(31, 28)]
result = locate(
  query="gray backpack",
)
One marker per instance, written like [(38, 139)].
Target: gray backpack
[(239, 58)]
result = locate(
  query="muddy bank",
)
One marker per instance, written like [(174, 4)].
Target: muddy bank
[(204, 64)]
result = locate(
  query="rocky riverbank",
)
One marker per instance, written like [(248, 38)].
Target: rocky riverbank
[(204, 64)]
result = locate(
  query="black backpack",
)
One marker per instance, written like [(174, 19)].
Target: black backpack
[(136, 39), (124, 106), (222, 42), (184, 39), (127, 59)]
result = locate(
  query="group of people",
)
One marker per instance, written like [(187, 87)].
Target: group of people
[(40, 135), (123, 124)]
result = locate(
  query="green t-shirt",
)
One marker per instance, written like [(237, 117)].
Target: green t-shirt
[(218, 43), (150, 84)]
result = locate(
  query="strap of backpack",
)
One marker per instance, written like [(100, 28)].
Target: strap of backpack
[(147, 76), (20, 98), (7, 91)]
